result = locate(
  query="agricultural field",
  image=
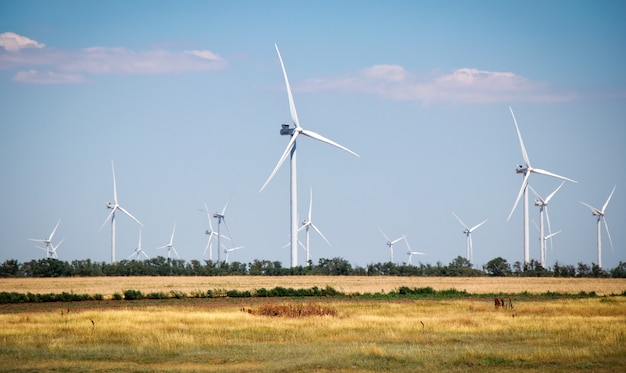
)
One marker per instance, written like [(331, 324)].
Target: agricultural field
[(317, 334)]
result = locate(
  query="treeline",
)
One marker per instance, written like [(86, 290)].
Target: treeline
[(161, 266)]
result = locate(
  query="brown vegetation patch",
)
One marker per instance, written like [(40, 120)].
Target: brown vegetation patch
[(292, 310)]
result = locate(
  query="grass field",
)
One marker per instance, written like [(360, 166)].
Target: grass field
[(230, 335)]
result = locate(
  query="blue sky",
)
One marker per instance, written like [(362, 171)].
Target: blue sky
[(187, 99)]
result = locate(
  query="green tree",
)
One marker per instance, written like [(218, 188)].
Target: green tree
[(498, 267)]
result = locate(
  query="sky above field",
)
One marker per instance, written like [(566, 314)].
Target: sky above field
[(187, 98)]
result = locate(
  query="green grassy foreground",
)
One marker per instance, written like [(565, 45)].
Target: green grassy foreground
[(356, 335)]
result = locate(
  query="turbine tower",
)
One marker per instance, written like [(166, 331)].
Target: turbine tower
[(291, 150), (48, 242), (170, 245), (308, 223), (543, 208), (390, 243), (600, 218), (114, 207), (526, 170), (468, 234)]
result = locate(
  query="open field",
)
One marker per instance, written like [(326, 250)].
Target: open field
[(349, 284), (354, 335), (365, 336)]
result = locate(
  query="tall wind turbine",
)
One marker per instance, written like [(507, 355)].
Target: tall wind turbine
[(390, 243), (138, 251), (600, 218), (226, 251), (211, 233), (543, 208), (291, 150), (410, 253), (308, 223), (221, 217), (170, 245), (468, 234), (47, 241), (114, 207), (526, 170)]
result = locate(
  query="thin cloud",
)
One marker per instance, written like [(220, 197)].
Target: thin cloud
[(55, 66), (466, 85)]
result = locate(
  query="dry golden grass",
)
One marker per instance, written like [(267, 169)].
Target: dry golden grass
[(365, 336), (350, 284)]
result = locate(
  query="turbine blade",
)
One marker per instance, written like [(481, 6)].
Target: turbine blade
[(311, 205), (608, 199), (321, 138), (478, 225), (114, 183), (108, 218), (535, 193), (172, 237), (460, 221), (292, 105), (594, 210), (552, 235), (129, 214), (54, 230), (606, 226), (521, 141), (288, 149), (553, 193), (519, 195), (321, 234), (548, 173), (548, 220), (398, 239), (384, 235)]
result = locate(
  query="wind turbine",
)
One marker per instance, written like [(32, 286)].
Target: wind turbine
[(308, 223), (170, 246), (291, 150), (390, 243), (226, 251), (47, 241), (601, 217), (543, 207), (211, 233), (221, 217), (526, 170), (138, 251), (468, 233), (114, 207), (410, 253), (543, 239), (53, 249)]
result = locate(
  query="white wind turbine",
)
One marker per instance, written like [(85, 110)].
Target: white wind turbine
[(468, 234), (526, 170), (114, 207), (226, 251), (54, 248), (543, 208), (410, 253), (221, 217), (308, 223), (600, 218), (291, 150), (138, 251), (390, 243), (47, 241), (211, 233), (170, 245)]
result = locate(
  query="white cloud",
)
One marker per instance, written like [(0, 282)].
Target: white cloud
[(462, 86), (13, 42), (65, 66)]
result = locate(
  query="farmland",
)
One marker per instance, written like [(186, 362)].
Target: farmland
[(352, 334)]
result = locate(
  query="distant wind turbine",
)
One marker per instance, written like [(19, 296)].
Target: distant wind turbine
[(468, 234), (226, 251), (390, 243), (526, 170), (211, 233), (47, 241), (170, 245), (114, 207), (410, 253), (308, 223), (221, 217), (291, 150), (543, 208), (138, 251), (600, 218)]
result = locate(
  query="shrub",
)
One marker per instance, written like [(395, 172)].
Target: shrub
[(117, 296), (133, 295)]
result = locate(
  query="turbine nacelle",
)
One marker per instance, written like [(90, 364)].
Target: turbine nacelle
[(286, 131), (109, 205), (521, 169)]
